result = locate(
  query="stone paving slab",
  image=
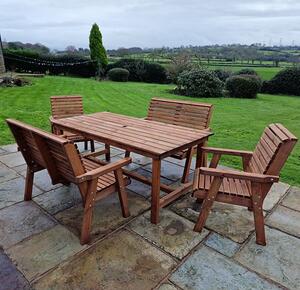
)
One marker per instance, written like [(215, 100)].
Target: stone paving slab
[(168, 170), (124, 260), (10, 277), (277, 191), (107, 215), (279, 260), (286, 220), (59, 199), (20, 221), (167, 286), (145, 189), (207, 269), (42, 180), (43, 251), (181, 162), (292, 200), (233, 222), (10, 148), (132, 166), (6, 173), (12, 191), (173, 234), (2, 151), (222, 245), (139, 159), (12, 159)]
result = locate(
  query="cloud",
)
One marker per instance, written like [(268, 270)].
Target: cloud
[(150, 23)]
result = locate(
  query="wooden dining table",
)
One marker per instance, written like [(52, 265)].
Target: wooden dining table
[(152, 139)]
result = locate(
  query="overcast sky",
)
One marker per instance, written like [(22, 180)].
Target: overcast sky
[(150, 23)]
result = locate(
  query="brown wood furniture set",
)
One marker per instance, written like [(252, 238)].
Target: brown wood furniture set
[(172, 128)]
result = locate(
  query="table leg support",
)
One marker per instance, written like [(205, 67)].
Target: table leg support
[(155, 191)]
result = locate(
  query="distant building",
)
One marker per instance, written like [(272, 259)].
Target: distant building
[(2, 66)]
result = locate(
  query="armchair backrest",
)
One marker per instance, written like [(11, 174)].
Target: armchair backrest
[(180, 113), (66, 106), (272, 150)]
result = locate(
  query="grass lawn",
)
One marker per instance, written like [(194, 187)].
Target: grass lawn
[(237, 123)]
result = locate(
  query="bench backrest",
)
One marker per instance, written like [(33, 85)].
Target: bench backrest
[(66, 106), (180, 113), (272, 150), (27, 145), (59, 155)]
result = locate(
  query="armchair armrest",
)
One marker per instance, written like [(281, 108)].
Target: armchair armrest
[(255, 177), (227, 151), (95, 173)]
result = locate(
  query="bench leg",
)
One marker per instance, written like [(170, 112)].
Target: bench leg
[(85, 145), (28, 184), (122, 193), (88, 211), (92, 146), (257, 203), (207, 204), (127, 153), (107, 154), (187, 166)]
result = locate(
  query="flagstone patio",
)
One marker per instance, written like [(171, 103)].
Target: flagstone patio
[(40, 249)]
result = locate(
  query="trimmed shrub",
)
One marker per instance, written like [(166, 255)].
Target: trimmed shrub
[(199, 83), (243, 86), (141, 71), (118, 74), (222, 74), (246, 71), (286, 82)]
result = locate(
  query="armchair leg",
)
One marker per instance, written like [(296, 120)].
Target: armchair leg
[(207, 204), (127, 153), (122, 193), (92, 146), (187, 166), (107, 154), (258, 214), (88, 211), (28, 184)]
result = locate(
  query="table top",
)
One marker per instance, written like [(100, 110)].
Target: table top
[(149, 138)]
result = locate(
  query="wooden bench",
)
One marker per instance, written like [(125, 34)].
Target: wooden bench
[(69, 106), (181, 113), (65, 165), (249, 187)]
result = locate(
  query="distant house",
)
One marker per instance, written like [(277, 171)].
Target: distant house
[(2, 66)]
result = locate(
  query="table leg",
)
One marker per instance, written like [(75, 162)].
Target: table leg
[(155, 191)]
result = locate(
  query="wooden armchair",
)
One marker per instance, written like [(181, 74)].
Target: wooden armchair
[(64, 107), (65, 165), (249, 187), (181, 113)]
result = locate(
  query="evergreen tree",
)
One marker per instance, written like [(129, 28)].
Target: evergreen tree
[(97, 50)]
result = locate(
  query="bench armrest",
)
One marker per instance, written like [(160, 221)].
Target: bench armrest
[(95, 173), (255, 177)]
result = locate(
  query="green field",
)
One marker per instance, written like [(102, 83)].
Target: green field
[(237, 123)]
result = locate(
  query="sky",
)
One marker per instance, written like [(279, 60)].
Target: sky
[(151, 23)]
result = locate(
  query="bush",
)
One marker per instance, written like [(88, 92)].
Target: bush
[(199, 83), (118, 74), (247, 71), (141, 71), (13, 82), (179, 63), (243, 86), (222, 74), (286, 82)]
